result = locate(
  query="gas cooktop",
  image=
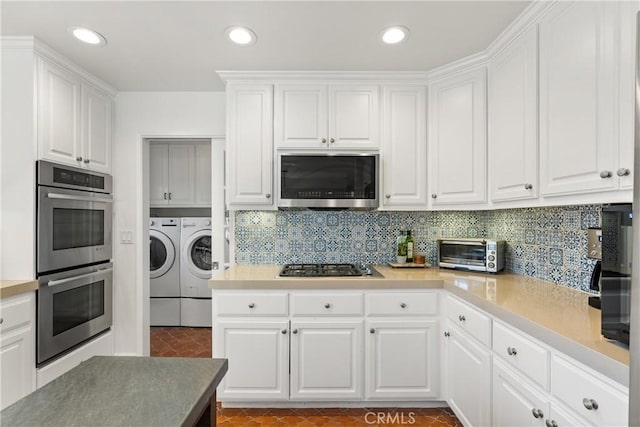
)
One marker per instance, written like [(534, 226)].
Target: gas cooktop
[(326, 270)]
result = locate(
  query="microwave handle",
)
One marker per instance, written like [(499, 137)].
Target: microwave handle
[(81, 198), (82, 276), (466, 242)]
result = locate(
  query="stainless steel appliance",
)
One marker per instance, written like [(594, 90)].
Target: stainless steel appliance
[(328, 180), (74, 217), (634, 345), (73, 306), (328, 270), (472, 254), (615, 277)]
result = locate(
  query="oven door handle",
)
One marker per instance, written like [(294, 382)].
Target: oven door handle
[(463, 242), (74, 278), (107, 199)]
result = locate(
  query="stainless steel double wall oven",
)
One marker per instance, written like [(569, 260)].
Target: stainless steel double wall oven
[(72, 257)]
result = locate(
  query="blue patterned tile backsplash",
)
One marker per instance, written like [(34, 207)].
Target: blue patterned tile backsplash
[(548, 243)]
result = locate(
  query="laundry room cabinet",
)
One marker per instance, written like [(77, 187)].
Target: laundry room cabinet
[(180, 174)]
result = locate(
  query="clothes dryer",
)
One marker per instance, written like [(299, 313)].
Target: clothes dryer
[(164, 271), (195, 272)]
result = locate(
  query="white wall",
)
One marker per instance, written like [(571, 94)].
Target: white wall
[(140, 115), (17, 166)]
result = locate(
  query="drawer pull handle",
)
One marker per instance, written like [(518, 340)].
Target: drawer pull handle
[(1, 320), (537, 413), (590, 404), (295, 331), (251, 305), (462, 318), (551, 423), (327, 306), (447, 334), (403, 305), (512, 351), (372, 330), (284, 332)]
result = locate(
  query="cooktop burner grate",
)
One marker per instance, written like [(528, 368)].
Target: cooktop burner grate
[(320, 270)]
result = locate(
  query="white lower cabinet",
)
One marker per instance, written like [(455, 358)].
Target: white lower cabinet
[(514, 402), (402, 359), (469, 378), (326, 360), (258, 353), (17, 348)]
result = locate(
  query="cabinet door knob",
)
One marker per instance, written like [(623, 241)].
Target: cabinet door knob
[(251, 305), (512, 351), (605, 174), (388, 196), (528, 186), (372, 330), (268, 196), (434, 196), (327, 306), (551, 423), (623, 172), (332, 140), (78, 159), (284, 332), (295, 331), (590, 404), (447, 334), (86, 161), (537, 413), (461, 318), (324, 140), (403, 305)]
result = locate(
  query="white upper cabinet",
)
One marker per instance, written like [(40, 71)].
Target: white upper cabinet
[(404, 147), (180, 174), (74, 119), (320, 116), (58, 114), (458, 139), (250, 146), (579, 132), (513, 120)]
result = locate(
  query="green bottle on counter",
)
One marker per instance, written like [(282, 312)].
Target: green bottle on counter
[(409, 242)]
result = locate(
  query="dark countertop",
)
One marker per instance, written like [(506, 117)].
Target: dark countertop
[(122, 391)]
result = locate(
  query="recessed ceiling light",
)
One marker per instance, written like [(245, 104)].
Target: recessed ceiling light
[(88, 36), (241, 35), (393, 35)]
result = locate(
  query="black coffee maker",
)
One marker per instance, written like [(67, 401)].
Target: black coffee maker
[(594, 239)]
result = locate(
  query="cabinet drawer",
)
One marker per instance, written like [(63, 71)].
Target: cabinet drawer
[(472, 321), (329, 304), (402, 304), (251, 304), (17, 311), (579, 388), (526, 355)]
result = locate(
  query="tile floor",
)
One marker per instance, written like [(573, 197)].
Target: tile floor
[(196, 342)]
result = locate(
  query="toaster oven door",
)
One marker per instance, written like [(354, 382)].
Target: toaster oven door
[(468, 255)]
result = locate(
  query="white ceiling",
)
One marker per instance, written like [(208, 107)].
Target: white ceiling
[(178, 45)]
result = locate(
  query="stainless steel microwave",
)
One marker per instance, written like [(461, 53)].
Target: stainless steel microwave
[(328, 180), (472, 254)]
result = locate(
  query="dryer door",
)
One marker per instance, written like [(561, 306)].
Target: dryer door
[(197, 254), (162, 254)]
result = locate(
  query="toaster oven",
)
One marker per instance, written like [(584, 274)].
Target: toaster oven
[(472, 254)]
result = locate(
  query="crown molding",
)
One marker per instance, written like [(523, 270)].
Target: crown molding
[(523, 22), (469, 63), (17, 44), (415, 77)]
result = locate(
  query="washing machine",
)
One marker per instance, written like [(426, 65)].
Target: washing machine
[(195, 272), (164, 271)]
